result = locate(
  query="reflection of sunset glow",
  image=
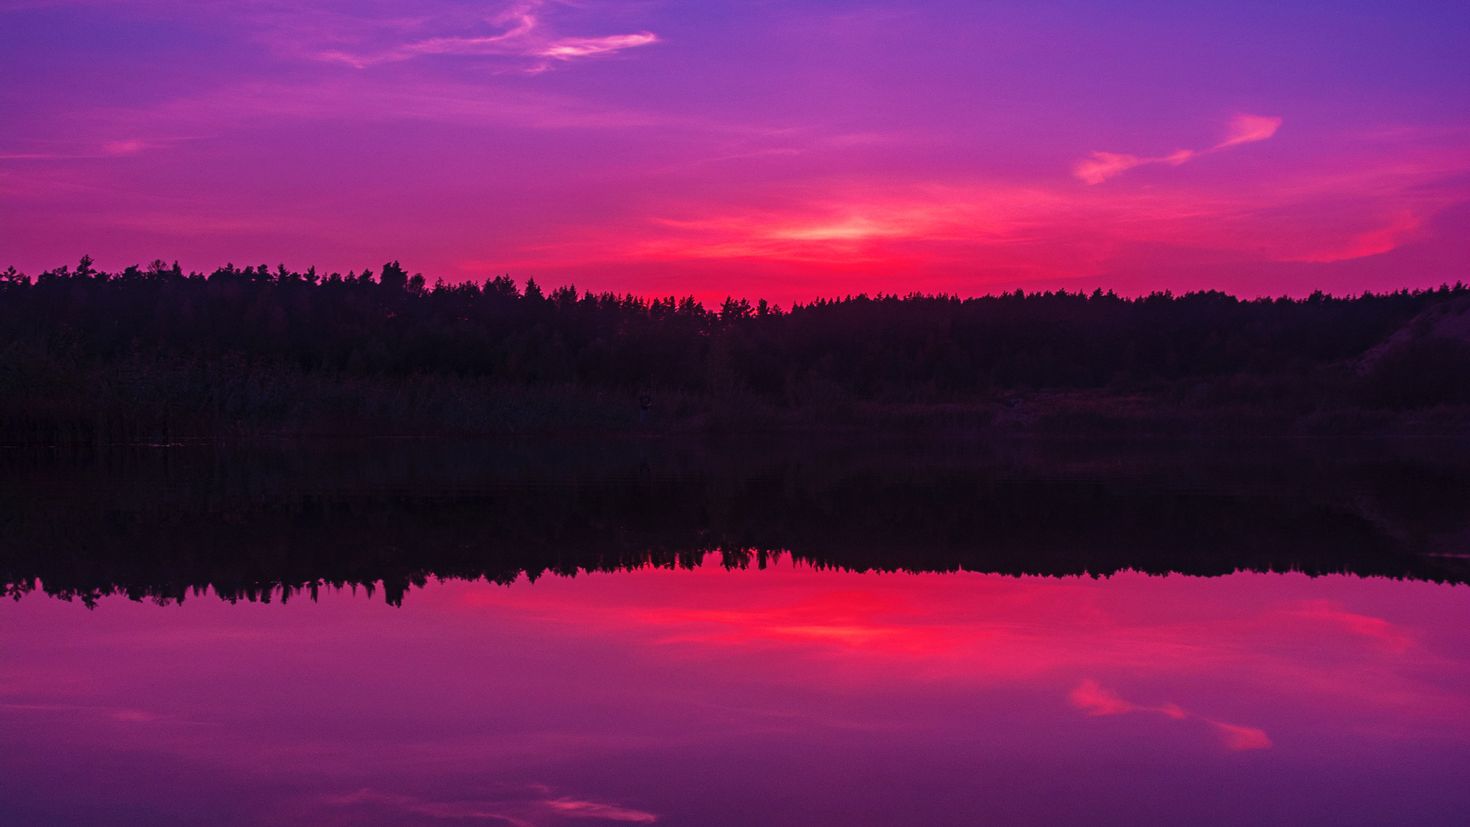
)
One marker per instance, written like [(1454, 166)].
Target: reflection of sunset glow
[(979, 628), (519, 808), (1375, 628), (1096, 701), (540, 687), (1241, 737)]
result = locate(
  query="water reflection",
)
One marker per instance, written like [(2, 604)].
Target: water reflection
[(774, 637), (269, 522), (784, 696)]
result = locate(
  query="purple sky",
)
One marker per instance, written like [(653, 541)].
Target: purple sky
[(787, 149)]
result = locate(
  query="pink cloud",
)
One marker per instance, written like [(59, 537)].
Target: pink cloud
[(522, 34), (521, 808), (1092, 698), (1399, 229), (68, 150), (1096, 700), (125, 715), (125, 147), (576, 808), (1241, 738), (574, 47), (1245, 129), (1374, 628), (1099, 166)]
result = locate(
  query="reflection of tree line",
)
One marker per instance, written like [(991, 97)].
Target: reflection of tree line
[(169, 525)]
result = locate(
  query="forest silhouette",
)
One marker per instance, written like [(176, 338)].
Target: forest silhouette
[(156, 353), (266, 523)]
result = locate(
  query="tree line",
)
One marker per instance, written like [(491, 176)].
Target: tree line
[(256, 342)]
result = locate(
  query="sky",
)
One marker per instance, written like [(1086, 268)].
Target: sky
[(785, 150)]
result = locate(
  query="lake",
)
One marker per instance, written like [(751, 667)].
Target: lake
[(742, 633)]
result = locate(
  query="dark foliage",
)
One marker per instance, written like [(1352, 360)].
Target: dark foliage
[(154, 351), (1425, 371), (265, 523), (249, 525)]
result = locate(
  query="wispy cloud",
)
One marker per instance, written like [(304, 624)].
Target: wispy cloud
[(523, 808), (124, 715), (520, 31), (569, 48), (1098, 701), (1099, 166), (69, 151), (578, 808), (1246, 129), (1373, 628), (1391, 235), (527, 32)]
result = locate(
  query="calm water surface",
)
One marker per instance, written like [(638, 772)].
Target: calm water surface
[(793, 694), (784, 696)]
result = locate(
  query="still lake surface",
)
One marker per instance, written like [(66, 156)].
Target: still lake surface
[(747, 634)]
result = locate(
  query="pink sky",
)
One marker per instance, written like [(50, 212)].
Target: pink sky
[(783, 150)]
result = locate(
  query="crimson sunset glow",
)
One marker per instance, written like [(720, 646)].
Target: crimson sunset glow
[(786, 150)]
